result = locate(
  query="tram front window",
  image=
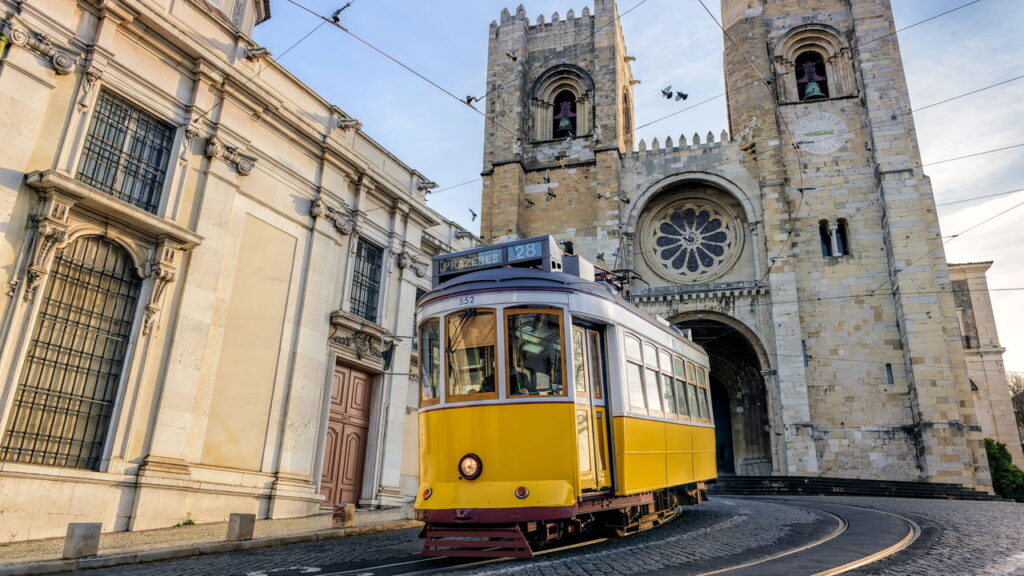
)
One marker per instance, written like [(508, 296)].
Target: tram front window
[(470, 350), (535, 353), (430, 361)]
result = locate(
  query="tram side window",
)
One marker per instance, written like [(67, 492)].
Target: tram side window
[(634, 376), (702, 382), (679, 372), (691, 389), (430, 360), (651, 380), (667, 390), (470, 352), (535, 353)]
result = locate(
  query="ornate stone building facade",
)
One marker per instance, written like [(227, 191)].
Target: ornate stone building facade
[(801, 246), (984, 354), (204, 262)]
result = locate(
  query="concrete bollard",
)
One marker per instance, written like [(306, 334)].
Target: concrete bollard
[(344, 515), (241, 527), (83, 539)]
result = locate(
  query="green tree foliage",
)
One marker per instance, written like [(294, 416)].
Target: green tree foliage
[(1007, 479)]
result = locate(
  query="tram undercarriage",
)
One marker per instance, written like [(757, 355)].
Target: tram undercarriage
[(481, 533)]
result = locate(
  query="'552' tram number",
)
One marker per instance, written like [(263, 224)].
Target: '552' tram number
[(466, 300)]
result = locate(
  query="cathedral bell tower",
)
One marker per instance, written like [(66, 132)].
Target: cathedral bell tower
[(849, 211), (559, 103), (800, 247)]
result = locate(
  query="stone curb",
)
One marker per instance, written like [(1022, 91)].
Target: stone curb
[(58, 566)]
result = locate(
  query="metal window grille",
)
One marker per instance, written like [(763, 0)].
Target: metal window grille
[(67, 388), (366, 280), (416, 321), (126, 152)]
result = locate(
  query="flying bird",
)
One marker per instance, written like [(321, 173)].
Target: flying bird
[(336, 17), (668, 93), (551, 195), (530, 203), (473, 214), (512, 56)]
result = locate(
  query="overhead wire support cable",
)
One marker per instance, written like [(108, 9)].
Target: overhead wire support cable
[(982, 153)]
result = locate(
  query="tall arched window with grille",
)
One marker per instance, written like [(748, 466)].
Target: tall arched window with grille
[(69, 382)]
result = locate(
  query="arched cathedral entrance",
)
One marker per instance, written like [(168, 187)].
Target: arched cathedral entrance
[(738, 395)]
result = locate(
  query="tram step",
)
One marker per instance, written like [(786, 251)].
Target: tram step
[(476, 542)]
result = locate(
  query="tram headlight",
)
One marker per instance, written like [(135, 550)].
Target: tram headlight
[(470, 466)]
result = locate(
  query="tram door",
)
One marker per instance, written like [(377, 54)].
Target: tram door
[(591, 408)]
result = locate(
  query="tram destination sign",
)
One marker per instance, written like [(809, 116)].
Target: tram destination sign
[(458, 263), (541, 252)]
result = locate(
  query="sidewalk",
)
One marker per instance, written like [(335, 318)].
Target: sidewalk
[(120, 548)]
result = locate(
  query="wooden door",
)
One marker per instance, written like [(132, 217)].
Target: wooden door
[(345, 448)]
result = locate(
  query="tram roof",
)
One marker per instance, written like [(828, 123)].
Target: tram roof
[(513, 278), (531, 278)]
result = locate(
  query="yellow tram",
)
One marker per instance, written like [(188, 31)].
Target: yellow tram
[(550, 406)]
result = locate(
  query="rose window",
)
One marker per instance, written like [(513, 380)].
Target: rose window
[(693, 240)]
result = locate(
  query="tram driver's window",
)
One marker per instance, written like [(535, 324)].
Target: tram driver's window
[(430, 360), (470, 348), (535, 353)]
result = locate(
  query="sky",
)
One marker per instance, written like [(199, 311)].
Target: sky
[(676, 43)]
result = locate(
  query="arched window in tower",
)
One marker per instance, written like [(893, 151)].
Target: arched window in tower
[(627, 118), (834, 237), (562, 104), (825, 237), (564, 116), (842, 240), (811, 76)]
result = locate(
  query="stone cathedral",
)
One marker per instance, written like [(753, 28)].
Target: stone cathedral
[(800, 246)]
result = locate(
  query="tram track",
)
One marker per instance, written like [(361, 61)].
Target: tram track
[(859, 536)]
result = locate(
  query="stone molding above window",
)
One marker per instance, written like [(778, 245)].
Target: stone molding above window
[(826, 41), (70, 209)]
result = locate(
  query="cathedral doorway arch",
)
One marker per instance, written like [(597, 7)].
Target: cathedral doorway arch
[(743, 439)]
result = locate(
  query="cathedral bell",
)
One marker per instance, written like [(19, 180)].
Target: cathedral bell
[(813, 91)]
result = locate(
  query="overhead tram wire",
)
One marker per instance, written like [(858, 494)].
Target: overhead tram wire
[(761, 80), (259, 70), (981, 197), (436, 85), (946, 241), (982, 153), (592, 34), (782, 117)]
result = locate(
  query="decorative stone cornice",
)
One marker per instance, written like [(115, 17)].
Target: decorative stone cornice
[(426, 186), (82, 195), (191, 131), (164, 269), (93, 75), (345, 221), (230, 154), (254, 53), (721, 294), (357, 337), (60, 59), (51, 227)]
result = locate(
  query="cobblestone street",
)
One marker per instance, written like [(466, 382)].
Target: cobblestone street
[(958, 538)]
